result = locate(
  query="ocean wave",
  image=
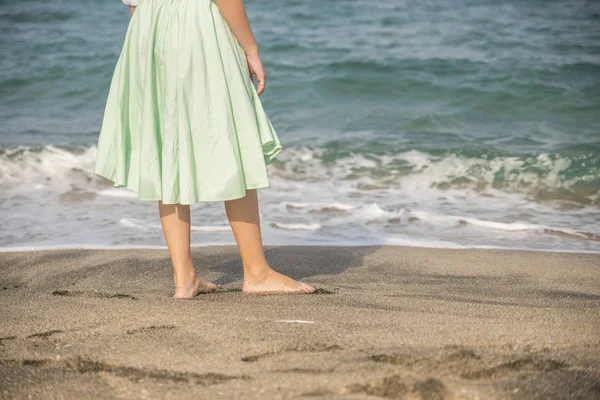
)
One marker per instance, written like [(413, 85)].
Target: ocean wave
[(572, 179), (516, 226), (51, 166), (540, 177)]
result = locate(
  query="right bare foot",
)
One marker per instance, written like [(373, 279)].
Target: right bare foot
[(275, 283), (190, 291)]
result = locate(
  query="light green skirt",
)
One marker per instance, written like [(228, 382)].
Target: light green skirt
[(183, 122)]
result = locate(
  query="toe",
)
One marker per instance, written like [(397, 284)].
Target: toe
[(307, 288)]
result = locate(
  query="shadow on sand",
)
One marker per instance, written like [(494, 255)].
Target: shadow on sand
[(298, 262)]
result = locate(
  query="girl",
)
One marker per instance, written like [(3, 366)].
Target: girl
[(183, 123)]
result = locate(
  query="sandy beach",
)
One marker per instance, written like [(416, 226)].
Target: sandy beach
[(387, 322)]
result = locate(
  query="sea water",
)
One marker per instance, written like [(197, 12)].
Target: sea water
[(427, 123)]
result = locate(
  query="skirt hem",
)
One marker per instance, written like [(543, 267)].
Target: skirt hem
[(199, 200)]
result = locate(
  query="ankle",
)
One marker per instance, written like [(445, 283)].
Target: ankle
[(257, 274), (184, 278)]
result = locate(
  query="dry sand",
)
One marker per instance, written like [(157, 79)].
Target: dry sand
[(392, 322)]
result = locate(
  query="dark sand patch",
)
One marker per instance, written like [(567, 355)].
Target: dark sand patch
[(399, 387), (300, 348), (152, 328), (6, 287), (522, 365), (472, 364), (319, 393), (3, 339), (86, 366), (315, 371), (45, 334), (323, 291), (409, 357), (90, 293), (37, 363)]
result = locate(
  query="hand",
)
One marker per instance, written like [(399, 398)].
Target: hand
[(256, 69)]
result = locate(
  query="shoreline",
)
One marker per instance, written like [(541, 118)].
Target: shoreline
[(387, 321), (26, 249)]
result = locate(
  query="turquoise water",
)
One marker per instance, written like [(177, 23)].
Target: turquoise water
[(462, 123)]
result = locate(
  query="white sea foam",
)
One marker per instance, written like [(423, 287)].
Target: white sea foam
[(210, 228), (78, 247), (130, 223), (409, 198), (142, 225), (301, 227), (118, 192), (51, 166), (320, 206)]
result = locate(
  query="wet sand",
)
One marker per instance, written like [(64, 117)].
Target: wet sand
[(386, 322)]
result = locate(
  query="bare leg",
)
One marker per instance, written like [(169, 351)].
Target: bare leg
[(258, 276), (175, 221)]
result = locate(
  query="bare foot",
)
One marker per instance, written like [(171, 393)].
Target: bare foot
[(198, 286), (275, 283)]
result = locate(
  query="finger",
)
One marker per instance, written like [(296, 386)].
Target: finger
[(261, 85)]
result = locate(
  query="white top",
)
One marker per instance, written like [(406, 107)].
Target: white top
[(132, 3)]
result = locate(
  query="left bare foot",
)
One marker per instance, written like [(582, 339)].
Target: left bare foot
[(197, 287), (275, 283)]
